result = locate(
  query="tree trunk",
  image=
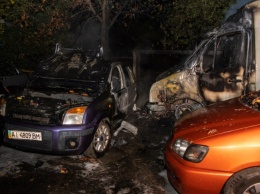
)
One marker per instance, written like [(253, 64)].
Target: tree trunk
[(105, 30)]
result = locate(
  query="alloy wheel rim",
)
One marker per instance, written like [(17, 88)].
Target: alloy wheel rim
[(102, 137), (255, 188)]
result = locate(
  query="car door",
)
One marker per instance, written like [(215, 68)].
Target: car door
[(223, 67), (130, 85), (118, 88)]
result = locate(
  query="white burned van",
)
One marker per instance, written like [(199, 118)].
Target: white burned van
[(225, 65)]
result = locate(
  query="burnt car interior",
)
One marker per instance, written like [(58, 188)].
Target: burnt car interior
[(223, 64)]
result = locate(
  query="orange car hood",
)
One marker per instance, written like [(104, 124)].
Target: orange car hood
[(216, 119)]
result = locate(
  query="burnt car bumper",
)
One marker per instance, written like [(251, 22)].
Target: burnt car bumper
[(156, 107), (48, 139), (188, 180)]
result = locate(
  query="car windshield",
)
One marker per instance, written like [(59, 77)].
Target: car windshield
[(251, 100)]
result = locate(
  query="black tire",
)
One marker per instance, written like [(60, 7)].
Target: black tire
[(243, 182), (101, 141)]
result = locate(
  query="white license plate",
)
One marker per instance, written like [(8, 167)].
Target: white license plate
[(26, 135)]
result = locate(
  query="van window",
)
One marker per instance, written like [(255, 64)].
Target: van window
[(208, 57), (229, 52)]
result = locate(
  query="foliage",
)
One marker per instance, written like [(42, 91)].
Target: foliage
[(119, 13), (29, 29), (185, 22)]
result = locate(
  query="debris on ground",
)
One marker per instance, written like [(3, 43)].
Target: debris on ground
[(128, 126)]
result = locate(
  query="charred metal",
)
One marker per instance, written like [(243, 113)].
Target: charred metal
[(223, 66)]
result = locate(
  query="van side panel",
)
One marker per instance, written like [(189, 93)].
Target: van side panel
[(257, 46)]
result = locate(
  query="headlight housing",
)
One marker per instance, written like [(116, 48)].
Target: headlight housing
[(188, 151), (74, 116)]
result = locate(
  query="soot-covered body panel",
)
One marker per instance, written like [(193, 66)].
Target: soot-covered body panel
[(222, 67), (70, 96)]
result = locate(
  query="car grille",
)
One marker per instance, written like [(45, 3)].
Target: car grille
[(40, 115), (45, 144), (34, 119)]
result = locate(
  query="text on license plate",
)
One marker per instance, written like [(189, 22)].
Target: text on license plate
[(26, 135)]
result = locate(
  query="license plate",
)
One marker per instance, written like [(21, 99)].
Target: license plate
[(25, 135)]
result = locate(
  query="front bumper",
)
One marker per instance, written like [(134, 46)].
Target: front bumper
[(54, 139), (189, 180), (158, 108)]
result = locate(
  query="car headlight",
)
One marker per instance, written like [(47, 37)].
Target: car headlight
[(189, 151), (74, 116)]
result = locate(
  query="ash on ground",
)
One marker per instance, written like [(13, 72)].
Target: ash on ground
[(133, 164)]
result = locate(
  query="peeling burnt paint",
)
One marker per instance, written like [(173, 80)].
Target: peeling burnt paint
[(223, 66)]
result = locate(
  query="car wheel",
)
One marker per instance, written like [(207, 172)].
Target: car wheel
[(101, 141), (244, 182)]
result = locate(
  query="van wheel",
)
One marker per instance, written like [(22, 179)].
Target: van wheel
[(244, 182), (101, 141), (184, 106)]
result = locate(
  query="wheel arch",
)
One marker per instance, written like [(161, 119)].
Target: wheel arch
[(232, 180)]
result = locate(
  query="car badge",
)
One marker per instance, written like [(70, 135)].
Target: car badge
[(212, 131)]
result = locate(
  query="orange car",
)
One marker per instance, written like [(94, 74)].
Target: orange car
[(216, 149)]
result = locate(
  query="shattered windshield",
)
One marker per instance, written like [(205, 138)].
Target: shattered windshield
[(251, 100)]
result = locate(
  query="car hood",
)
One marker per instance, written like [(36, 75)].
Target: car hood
[(216, 119)]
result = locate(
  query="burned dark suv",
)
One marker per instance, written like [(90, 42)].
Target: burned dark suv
[(71, 106)]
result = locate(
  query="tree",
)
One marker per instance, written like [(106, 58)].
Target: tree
[(109, 12), (185, 22), (31, 29)]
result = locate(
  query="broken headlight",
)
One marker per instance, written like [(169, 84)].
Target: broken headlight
[(189, 151), (74, 116)]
